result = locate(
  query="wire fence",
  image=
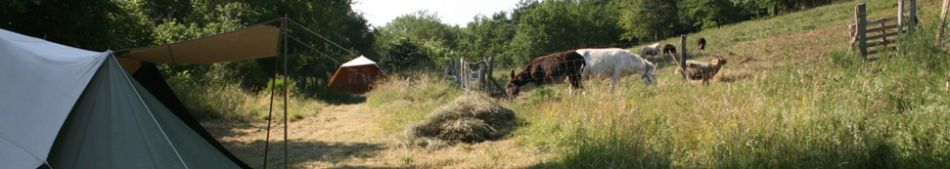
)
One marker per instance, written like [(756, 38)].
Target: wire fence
[(475, 75)]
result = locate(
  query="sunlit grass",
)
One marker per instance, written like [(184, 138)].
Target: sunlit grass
[(794, 97)]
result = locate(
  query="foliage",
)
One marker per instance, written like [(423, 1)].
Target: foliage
[(417, 40), (560, 25), (696, 15), (403, 55), (105, 25), (487, 36), (648, 19)]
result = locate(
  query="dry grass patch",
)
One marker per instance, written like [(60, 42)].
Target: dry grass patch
[(471, 118)]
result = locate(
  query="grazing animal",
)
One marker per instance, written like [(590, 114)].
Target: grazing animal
[(657, 49), (548, 69), (616, 63), (696, 70), (702, 43)]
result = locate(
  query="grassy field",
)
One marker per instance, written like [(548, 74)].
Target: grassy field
[(792, 96)]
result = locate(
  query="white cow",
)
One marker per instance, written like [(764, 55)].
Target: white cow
[(616, 63)]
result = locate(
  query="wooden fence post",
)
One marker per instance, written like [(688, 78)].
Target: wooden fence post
[(900, 16), (913, 14), (943, 23), (860, 16), (463, 73), (683, 56)]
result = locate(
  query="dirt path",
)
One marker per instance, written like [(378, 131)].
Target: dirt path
[(348, 137)]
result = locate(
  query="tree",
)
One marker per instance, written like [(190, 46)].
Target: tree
[(103, 24), (700, 14), (648, 19), (558, 25), (405, 55), (425, 30), (487, 36)]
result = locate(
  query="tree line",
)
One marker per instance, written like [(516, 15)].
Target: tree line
[(537, 27), (412, 41)]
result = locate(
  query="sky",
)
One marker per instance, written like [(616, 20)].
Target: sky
[(452, 12)]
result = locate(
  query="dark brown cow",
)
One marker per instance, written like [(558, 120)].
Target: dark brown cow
[(702, 43), (551, 68)]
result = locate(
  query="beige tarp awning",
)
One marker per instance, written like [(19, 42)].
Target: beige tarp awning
[(259, 41)]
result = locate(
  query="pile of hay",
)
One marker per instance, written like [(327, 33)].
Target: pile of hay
[(469, 119)]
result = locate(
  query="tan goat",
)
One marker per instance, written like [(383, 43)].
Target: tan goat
[(697, 70)]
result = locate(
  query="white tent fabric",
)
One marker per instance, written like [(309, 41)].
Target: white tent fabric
[(359, 61), (41, 83)]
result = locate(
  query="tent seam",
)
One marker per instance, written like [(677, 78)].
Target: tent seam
[(21, 148), (151, 114)]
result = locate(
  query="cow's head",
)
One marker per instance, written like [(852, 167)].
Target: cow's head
[(649, 75), (513, 87)]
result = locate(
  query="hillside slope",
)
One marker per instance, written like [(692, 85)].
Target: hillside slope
[(792, 96)]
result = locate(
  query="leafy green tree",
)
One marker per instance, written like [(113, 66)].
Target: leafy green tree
[(405, 55), (557, 25), (487, 36), (425, 30), (101, 24), (696, 15), (648, 20)]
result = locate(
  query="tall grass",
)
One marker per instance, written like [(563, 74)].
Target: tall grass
[(891, 113), (224, 99), (818, 108), (403, 100)]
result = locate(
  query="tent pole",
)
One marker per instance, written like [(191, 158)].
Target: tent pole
[(273, 90), (270, 109), (286, 79)]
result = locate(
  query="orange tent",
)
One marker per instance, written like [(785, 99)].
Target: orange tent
[(356, 76)]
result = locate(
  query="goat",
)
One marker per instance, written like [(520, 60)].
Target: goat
[(697, 70)]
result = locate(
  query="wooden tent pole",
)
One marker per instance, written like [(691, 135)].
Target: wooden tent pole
[(286, 80), (270, 109)]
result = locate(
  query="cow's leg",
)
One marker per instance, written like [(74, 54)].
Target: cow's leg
[(615, 80), (575, 79)]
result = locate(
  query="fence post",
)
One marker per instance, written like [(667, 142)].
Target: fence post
[(683, 56), (900, 16), (943, 23), (463, 74), (913, 15), (860, 16)]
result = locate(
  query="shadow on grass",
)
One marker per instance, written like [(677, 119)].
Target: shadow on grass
[(301, 152), (866, 155), (338, 97), (607, 157), (611, 151)]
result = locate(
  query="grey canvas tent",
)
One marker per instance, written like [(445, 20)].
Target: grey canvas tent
[(63, 107)]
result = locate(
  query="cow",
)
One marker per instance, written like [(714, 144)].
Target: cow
[(616, 63), (547, 69), (657, 50)]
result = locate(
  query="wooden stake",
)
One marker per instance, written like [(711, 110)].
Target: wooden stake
[(900, 16), (913, 14), (860, 13), (943, 23), (683, 56)]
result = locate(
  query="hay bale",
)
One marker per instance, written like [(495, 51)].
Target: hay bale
[(469, 119)]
